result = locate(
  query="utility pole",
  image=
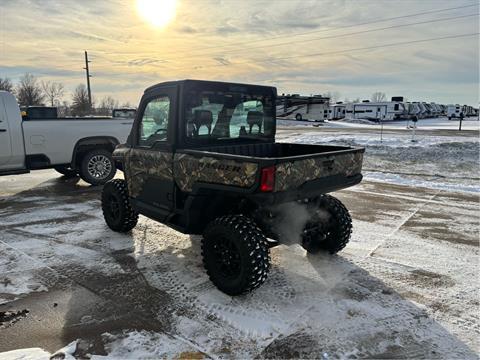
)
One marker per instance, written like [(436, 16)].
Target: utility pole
[(88, 79)]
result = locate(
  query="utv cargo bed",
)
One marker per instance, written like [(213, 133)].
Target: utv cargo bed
[(293, 168)]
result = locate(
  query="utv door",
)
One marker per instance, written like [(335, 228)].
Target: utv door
[(150, 165)]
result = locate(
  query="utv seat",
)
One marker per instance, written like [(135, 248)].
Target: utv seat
[(202, 118), (255, 118)]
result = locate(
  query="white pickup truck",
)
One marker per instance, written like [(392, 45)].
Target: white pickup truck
[(71, 146)]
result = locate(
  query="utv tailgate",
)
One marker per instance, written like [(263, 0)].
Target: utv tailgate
[(293, 172)]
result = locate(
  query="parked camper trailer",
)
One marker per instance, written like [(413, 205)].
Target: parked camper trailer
[(337, 111), (297, 107), (385, 110), (453, 111)]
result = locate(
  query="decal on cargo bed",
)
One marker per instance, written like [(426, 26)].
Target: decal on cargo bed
[(291, 175), (189, 169)]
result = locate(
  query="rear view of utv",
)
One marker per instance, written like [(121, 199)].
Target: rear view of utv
[(202, 158)]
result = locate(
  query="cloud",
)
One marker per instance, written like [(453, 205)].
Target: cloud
[(187, 29), (222, 60), (227, 29), (145, 61)]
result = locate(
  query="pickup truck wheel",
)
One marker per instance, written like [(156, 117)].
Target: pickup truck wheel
[(117, 211), (330, 226), (66, 171), (298, 117), (97, 167), (235, 254)]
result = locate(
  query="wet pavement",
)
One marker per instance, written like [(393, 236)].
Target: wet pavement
[(406, 285)]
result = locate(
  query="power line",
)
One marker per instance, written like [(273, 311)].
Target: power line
[(343, 35), (339, 51), (189, 51)]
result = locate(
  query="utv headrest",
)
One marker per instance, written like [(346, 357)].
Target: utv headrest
[(254, 118), (202, 118)]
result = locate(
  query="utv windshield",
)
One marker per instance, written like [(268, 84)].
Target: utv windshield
[(218, 112)]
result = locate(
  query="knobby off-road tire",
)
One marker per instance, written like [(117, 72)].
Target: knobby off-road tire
[(66, 171), (117, 211), (235, 254), (97, 167), (336, 225)]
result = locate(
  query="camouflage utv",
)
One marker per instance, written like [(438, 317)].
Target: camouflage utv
[(202, 158)]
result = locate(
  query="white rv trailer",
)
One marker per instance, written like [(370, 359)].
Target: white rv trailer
[(435, 109), (469, 111), (413, 110), (337, 111), (385, 110), (423, 113), (453, 111), (297, 107)]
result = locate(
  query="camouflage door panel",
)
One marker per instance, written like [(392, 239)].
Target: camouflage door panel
[(293, 174), (189, 169), (143, 164)]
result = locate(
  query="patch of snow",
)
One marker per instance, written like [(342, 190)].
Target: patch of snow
[(26, 354), (441, 123), (403, 180), (146, 345), (65, 353)]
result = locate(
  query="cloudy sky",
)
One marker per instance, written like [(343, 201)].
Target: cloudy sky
[(351, 47)]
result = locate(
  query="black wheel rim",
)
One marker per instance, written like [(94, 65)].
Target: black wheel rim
[(317, 230), (227, 257), (113, 207)]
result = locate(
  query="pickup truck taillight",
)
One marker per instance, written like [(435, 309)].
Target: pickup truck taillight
[(267, 180)]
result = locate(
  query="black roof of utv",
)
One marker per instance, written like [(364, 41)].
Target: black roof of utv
[(209, 84)]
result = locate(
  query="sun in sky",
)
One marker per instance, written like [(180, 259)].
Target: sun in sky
[(158, 13)]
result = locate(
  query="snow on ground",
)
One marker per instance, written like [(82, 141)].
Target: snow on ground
[(406, 286), (441, 123), (65, 353)]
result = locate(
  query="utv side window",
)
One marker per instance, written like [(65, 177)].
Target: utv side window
[(154, 124)]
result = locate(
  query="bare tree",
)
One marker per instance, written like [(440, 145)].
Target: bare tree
[(28, 91), (379, 96), (333, 95), (357, 100), (127, 104), (63, 109), (107, 104), (80, 104), (53, 92), (6, 84)]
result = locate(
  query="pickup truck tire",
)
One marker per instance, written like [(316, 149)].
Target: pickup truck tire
[(66, 171), (335, 228), (117, 211), (235, 254), (298, 117), (97, 167)]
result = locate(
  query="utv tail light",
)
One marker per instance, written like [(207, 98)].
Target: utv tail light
[(267, 180)]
